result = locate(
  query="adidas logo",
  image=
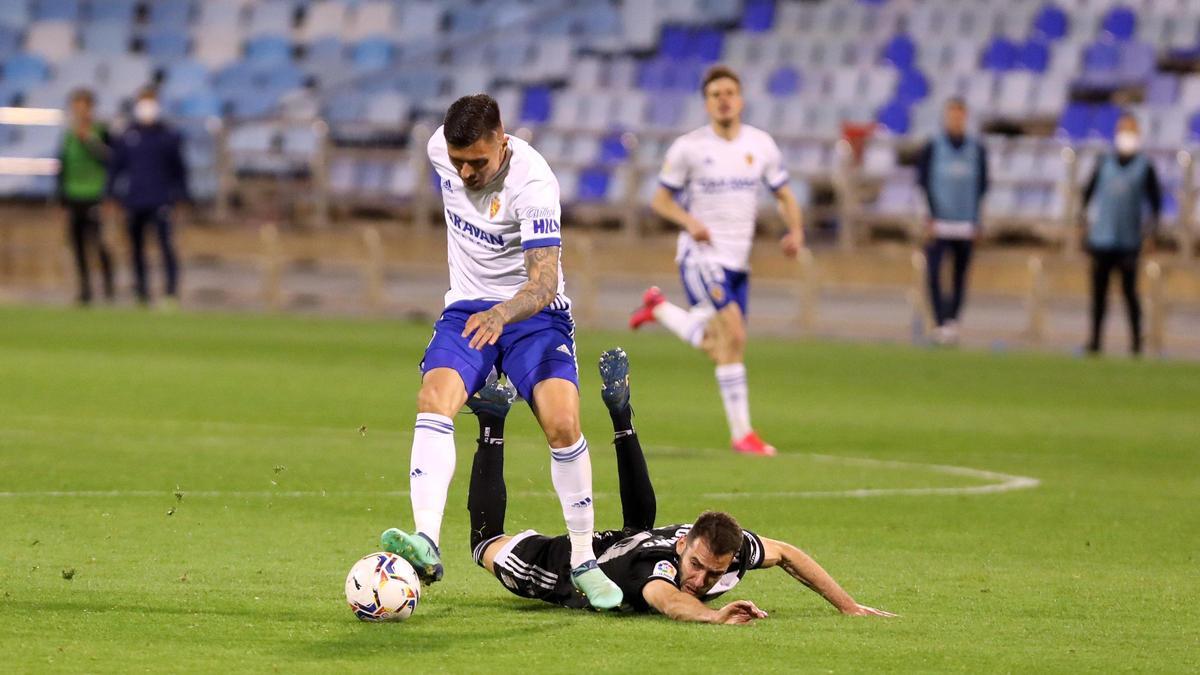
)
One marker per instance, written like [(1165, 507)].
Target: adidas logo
[(582, 503), (565, 349), (417, 473)]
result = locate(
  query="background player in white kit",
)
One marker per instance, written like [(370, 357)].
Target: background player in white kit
[(717, 170), (505, 310)]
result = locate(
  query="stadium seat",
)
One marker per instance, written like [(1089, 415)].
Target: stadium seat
[(1104, 121), (784, 81), (894, 117), (1033, 55), (216, 48), (664, 111), (1000, 55), (707, 43), (115, 10), (25, 70), (388, 108), (1075, 122), (323, 20), (372, 54), (271, 17), (613, 149), (758, 15), (1120, 23), (107, 37), (370, 19), (15, 14), (911, 87), (1051, 22), (202, 103), (593, 185), (536, 105), (56, 10), (165, 44), (1138, 62), (900, 52), (183, 77), (1194, 127), (51, 40), (268, 50), (177, 13)]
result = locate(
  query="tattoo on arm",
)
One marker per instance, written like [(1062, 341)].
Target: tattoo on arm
[(541, 264)]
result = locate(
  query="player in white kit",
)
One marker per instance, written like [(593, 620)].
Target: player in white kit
[(716, 172), (505, 310)]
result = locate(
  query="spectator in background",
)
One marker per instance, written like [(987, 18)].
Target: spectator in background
[(81, 181), (149, 178), (952, 170), (1116, 199)]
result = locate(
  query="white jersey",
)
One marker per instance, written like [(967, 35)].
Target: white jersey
[(719, 180), (488, 231)]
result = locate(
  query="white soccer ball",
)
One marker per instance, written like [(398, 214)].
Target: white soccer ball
[(383, 587)]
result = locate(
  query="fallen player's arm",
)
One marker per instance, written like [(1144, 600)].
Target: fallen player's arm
[(675, 604), (541, 264), (806, 570)]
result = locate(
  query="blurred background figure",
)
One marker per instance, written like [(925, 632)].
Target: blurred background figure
[(149, 178), (81, 181), (1122, 188), (952, 170)]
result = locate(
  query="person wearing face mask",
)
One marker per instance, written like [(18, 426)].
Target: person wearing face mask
[(952, 170), (147, 175), (81, 181), (1123, 187)]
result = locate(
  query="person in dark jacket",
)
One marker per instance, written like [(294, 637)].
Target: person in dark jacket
[(81, 182), (147, 175), (1122, 190), (952, 170)]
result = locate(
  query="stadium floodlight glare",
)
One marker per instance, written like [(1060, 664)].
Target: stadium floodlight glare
[(47, 117)]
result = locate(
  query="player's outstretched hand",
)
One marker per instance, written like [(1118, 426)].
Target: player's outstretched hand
[(863, 610), (791, 244), (486, 326), (739, 611)]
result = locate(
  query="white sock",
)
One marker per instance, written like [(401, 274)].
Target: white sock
[(687, 324), (430, 471), (571, 473), (731, 378)]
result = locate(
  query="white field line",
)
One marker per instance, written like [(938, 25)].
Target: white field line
[(997, 482)]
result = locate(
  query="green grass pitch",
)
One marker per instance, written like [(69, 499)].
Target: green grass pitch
[(256, 420)]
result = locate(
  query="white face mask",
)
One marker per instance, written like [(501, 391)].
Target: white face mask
[(145, 111), (1127, 142)]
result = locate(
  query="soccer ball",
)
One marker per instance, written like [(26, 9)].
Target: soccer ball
[(382, 587)]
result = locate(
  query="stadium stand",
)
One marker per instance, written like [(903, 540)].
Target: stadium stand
[(601, 86)]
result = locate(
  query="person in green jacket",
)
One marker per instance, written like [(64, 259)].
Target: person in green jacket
[(82, 179)]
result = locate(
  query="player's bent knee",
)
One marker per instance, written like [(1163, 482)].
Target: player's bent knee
[(441, 394)]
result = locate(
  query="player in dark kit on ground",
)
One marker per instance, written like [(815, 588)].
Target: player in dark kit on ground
[(673, 569)]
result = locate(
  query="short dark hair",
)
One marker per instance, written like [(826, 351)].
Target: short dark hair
[(718, 72), (719, 530), (469, 118), (82, 94), (149, 91), (956, 102)]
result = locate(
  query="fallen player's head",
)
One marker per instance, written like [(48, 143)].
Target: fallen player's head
[(707, 551), (475, 139)]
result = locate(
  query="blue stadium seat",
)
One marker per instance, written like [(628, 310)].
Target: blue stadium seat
[(758, 15), (1033, 55), (1101, 58), (15, 14), (673, 43), (593, 185), (1050, 22), (894, 117), (785, 81), (373, 54), (198, 104), (1076, 121), (55, 10), (1120, 23), (912, 86), (173, 13), (652, 75), (664, 111), (181, 78), (535, 105), (1194, 127), (707, 43), (1000, 55), (25, 70), (1138, 62), (1104, 121), (114, 10), (612, 149), (106, 37), (266, 50), (900, 51), (165, 43), (325, 49), (10, 41)]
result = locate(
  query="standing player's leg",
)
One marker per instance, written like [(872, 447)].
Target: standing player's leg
[(137, 251), (1102, 264), (933, 276), (452, 371), (638, 504), (77, 216), (1128, 266)]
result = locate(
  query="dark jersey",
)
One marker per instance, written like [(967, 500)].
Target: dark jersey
[(634, 559)]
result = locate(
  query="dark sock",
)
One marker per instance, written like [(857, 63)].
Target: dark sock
[(637, 493), (487, 499)]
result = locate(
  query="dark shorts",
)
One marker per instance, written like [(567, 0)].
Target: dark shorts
[(534, 566), (530, 351), (710, 283)]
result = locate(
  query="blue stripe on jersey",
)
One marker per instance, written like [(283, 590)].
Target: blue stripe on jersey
[(540, 243)]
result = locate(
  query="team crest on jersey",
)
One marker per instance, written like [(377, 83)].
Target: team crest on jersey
[(495, 207), (749, 159), (663, 569), (717, 291)]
